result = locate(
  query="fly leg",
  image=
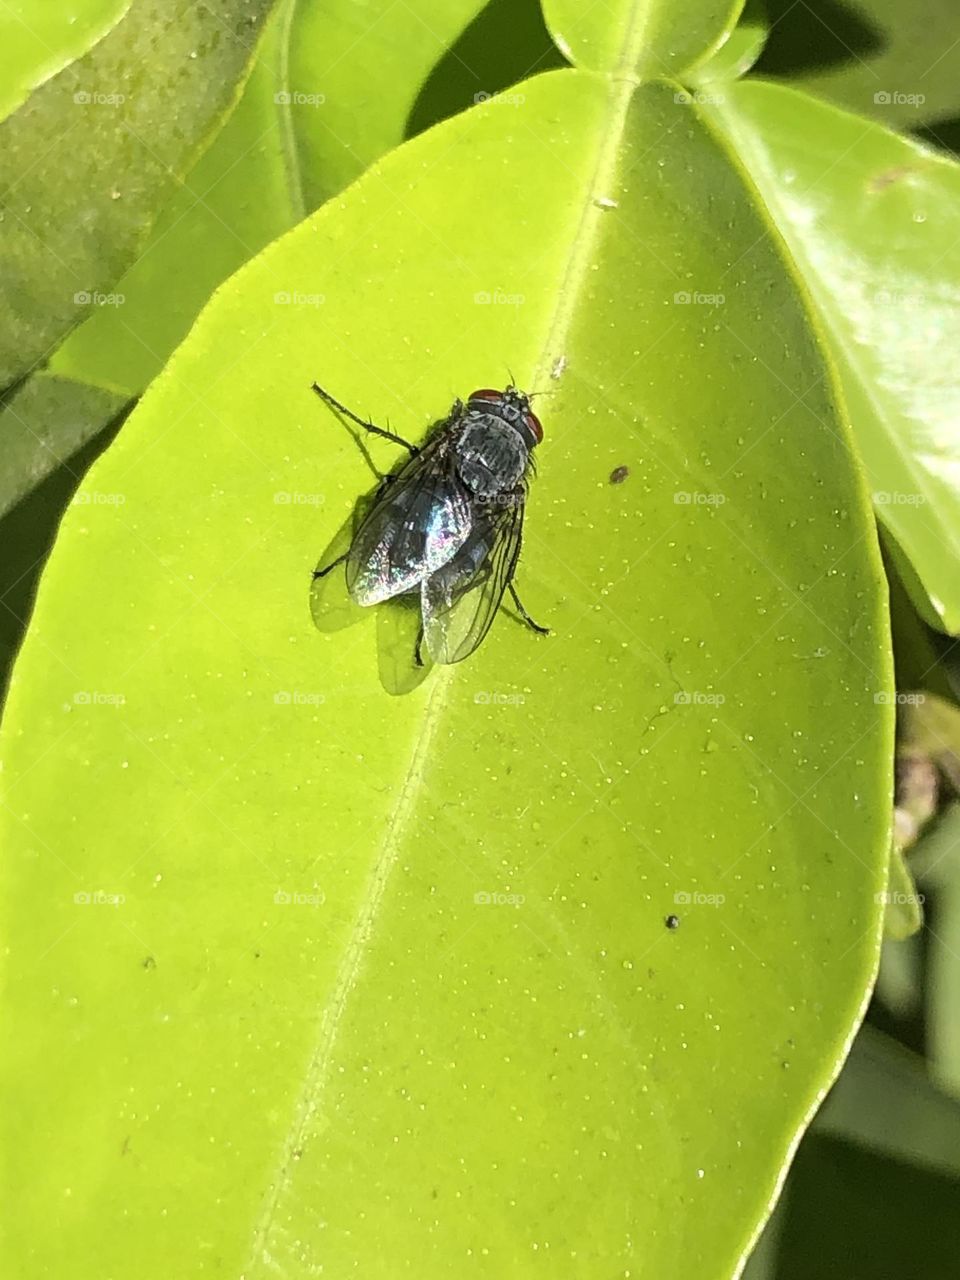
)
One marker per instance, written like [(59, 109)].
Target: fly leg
[(534, 626), (417, 656), (367, 426), (322, 573)]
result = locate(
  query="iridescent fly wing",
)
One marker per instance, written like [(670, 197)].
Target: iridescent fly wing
[(459, 601), (417, 522)]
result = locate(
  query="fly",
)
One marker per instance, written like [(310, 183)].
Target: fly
[(447, 524)]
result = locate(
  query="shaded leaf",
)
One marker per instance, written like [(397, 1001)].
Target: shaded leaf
[(38, 39), (43, 424), (896, 61), (244, 191), (853, 1213), (904, 905), (87, 161)]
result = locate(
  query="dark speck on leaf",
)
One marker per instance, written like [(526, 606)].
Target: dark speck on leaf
[(672, 922), (149, 962), (619, 474)]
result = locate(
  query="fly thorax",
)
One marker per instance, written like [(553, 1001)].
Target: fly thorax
[(491, 456)]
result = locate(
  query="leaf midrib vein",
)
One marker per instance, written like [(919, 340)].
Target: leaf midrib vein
[(621, 86)]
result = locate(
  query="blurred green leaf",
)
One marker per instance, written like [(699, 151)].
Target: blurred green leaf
[(941, 860), (917, 647), (850, 1212), (897, 60), (38, 39), (903, 916), (87, 162), (43, 424), (936, 857), (244, 191), (931, 725), (873, 222), (51, 428), (737, 54), (899, 986), (28, 527), (883, 1152), (303, 859), (885, 1099), (646, 38)]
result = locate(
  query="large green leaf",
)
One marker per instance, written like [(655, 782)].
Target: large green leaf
[(87, 162), (293, 1018), (874, 223)]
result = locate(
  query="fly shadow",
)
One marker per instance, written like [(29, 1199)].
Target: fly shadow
[(398, 620)]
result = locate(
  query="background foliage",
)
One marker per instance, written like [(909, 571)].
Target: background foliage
[(727, 244)]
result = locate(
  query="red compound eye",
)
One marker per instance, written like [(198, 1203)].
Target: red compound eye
[(533, 422)]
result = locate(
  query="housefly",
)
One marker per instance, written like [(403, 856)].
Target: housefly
[(447, 524)]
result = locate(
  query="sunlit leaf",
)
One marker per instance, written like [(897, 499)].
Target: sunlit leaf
[(873, 222), (316, 970)]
